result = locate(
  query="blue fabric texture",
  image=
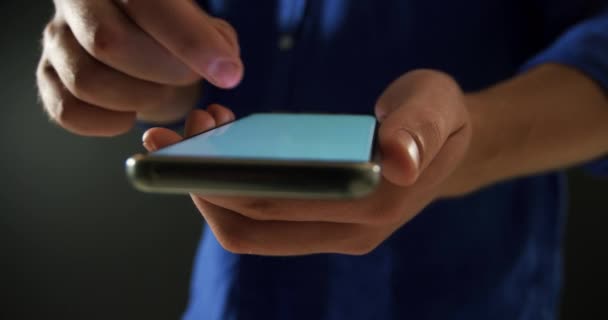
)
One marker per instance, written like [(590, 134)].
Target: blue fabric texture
[(495, 254), (584, 47)]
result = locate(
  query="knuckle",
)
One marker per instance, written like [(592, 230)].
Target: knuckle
[(44, 71), (48, 32), (83, 80), (73, 115), (61, 111), (188, 46), (105, 40), (59, 30), (52, 31), (431, 129), (426, 125), (53, 27)]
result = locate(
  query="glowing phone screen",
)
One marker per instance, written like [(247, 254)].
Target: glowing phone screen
[(300, 137)]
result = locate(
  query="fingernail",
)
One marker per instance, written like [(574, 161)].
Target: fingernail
[(411, 147), (149, 145), (225, 73)]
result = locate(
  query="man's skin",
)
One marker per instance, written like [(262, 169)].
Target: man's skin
[(106, 63)]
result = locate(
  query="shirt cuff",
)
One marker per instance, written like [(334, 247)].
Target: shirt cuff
[(583, 47)]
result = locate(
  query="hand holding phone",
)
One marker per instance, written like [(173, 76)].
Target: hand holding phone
[(418, 166)]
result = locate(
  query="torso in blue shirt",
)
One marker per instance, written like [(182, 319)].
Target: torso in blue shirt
[(492, 255)]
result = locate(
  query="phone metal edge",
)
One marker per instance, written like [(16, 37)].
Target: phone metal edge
[(366, 177)]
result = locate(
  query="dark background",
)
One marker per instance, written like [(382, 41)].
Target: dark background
[(77, 242)]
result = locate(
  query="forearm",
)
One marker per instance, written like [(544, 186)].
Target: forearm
[(549, 118)]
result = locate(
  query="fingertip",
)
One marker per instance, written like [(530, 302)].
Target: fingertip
[(221, 114), (225, 73), (147, 140), (199, 121), (149, 147), (157, 138)]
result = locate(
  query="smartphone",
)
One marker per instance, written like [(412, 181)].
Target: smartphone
[(268, 155)]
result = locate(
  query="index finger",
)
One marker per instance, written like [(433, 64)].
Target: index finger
[(383, 206), (192, 35)]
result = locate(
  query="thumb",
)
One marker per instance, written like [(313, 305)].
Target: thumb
[(418, 113)]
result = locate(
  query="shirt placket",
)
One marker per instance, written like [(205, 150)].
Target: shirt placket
[(290, 16)]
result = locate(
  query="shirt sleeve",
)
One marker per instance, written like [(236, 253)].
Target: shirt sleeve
[(584, 47)]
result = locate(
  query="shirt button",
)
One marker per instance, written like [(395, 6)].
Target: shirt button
[(286, 42)]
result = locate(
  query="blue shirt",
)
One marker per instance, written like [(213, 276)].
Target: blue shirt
[(494, 254)]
